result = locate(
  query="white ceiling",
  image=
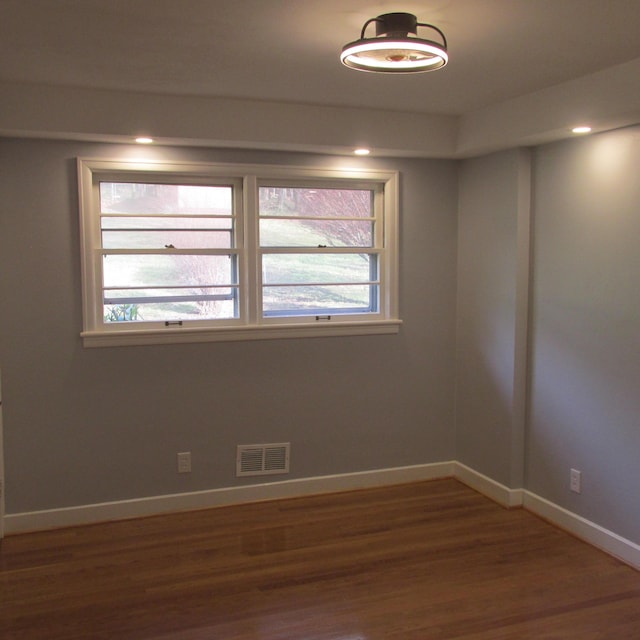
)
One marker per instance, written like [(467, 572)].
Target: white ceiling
[(287, 50)]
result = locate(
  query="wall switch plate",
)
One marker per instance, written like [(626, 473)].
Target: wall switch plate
[(184, 462), (575, 481)]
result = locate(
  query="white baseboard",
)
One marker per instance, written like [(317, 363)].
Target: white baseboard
[(607, 541), (594, 534), (102, 512), (483, 484)]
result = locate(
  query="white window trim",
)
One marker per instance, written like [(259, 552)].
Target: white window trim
[(252, 328)]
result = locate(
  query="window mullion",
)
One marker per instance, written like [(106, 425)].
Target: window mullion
[(251, 269)]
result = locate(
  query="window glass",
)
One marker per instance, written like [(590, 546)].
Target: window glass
[(319, 300), (141, 198), (314, 216), (156, 274), (305, 232), (313, 267), (323, 220), (159, 287), (315, 202)]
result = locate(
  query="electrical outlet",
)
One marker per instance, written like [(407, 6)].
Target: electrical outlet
[(575, 481), (184, 462)]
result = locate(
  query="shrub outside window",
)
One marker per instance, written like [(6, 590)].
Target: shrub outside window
[(192, 253)]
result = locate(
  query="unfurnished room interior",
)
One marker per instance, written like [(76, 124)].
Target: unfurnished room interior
[(319, 319)]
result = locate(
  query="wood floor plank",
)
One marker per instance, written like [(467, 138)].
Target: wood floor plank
[(425, 561)]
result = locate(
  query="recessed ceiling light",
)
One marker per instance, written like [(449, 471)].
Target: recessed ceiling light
[(581, 129), (362, 152), (144, 140)]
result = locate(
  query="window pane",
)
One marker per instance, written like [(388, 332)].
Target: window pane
[(165, 222), (319, 300), (167, 270), (145, 305), (133, 197), (162, 294), (122, 239), (314, 203), (318, 268), (311, 233)]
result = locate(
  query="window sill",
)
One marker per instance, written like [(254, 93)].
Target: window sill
[(233, 334)]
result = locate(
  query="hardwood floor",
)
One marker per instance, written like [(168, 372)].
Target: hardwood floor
[(423, 561)]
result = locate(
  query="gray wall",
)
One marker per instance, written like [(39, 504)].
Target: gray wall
[(583, 368), (90, 425), (84, 426), (486, 315), (585, 341)]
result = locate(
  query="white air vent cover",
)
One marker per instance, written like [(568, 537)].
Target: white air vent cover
[(262, 459)]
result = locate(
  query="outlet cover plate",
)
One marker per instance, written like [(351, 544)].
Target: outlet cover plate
[(575, 481), (184, 462)]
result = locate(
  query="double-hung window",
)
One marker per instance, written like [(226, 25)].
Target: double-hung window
[(192, 253)]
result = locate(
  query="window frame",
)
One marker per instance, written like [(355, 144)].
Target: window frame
[(99, 250), (246, 179), (376, 248)]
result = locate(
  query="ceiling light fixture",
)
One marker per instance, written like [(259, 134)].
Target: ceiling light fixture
[(144, 140), (393, 50), (583, 129), (362, 151)]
